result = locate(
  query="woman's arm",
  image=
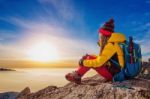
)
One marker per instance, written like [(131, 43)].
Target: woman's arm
[(107, 53)]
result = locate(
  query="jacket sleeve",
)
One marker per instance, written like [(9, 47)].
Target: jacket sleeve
[(107, 53)]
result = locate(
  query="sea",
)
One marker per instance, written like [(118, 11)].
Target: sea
[(35, 78)]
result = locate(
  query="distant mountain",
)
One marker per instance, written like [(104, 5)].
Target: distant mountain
[(6, 69), (8, 95)]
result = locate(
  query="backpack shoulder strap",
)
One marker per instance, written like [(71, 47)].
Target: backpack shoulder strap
[(116, 63), (126, 48)]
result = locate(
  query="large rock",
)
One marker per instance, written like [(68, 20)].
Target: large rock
[(24, 94)]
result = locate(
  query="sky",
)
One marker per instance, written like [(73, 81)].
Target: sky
[(68, 26)]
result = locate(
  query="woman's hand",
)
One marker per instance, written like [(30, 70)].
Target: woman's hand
[(81, 62), (86, 57), (82, 59)]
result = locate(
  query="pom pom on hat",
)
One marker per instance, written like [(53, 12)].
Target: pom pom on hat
[(108, 28)]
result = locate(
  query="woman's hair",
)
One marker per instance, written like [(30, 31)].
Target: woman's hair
[(103, 42)]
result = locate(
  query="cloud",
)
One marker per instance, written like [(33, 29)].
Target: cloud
[(37, 31), (147, 1), (61, 37), (145, 41), (5, 35), (48, 27), (63, 8), (11, 52)]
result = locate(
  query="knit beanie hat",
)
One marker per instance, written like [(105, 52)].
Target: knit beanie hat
[(108, 28)]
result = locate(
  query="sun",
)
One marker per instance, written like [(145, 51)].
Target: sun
[(43, 52)]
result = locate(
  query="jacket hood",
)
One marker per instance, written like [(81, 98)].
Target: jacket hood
[(117, 38)]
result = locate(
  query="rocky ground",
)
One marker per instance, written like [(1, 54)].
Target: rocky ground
[(96, 88)]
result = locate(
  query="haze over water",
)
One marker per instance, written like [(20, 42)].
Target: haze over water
[(35, 78)]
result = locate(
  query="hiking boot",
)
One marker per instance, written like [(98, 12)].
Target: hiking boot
[(74, 77)]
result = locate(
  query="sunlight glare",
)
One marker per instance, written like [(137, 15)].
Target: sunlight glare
[(43, 52)]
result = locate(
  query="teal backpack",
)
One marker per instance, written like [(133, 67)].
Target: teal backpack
[(131, 69)]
